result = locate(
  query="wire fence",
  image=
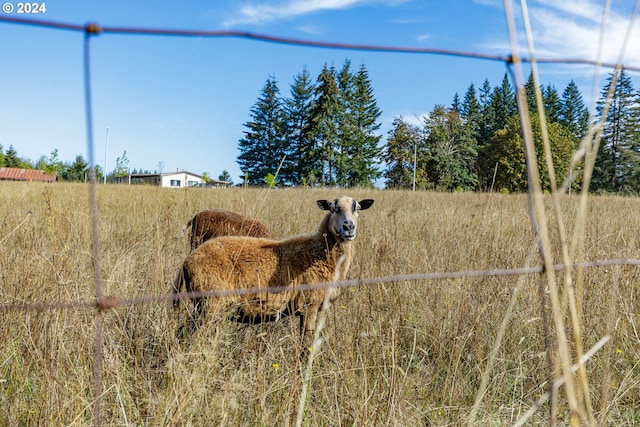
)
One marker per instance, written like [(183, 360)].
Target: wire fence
[(102, 303)]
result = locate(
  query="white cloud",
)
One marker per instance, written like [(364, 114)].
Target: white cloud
[(261, 13), (572, 30), (254, 14)]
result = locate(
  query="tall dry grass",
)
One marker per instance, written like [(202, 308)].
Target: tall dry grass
[(398, 354)]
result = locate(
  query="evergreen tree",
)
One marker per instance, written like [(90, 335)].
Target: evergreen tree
[(226, 177), (11, 159), (451, 151), (617, 166), (573, 114), (486, 117), (347, 127), (363, 151), (530, 90), (324, 122), (76, 171), (470, 107), (302, 154), (456, 105), (496, 114), (552, 103), (471, 114), (503, 104), (2, 163), (263, 146), (402, 145)]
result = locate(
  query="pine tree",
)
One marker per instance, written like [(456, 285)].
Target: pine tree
[(302, 154), (2, 163), (11, 159), (263, 147), (500, 109), (503, 104), (617, 166), (456, 105), (347, 127), (76, 171), (573, 114), (487, 115), (470, 108), (552, 103), (226, 177), (363, 151), (530, 90), (324, 122)]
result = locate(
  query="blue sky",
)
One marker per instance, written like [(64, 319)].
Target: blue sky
[(181, 102)]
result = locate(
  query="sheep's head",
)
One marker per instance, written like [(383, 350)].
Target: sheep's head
[(343, 220)]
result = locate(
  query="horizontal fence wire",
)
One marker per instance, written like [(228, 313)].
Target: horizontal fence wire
[(102, 303), (109, 302), (96, 29)]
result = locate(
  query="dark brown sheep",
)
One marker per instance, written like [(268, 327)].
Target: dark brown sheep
[(213, 223), (230, 263)]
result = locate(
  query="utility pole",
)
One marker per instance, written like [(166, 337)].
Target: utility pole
[(415, 158), (106, 148)]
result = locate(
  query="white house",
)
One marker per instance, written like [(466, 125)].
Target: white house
[(178, 179)]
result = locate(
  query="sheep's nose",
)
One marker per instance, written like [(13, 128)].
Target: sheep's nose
[(348, 226)]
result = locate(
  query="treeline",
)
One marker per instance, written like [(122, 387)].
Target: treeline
[(76, 171), (324, 133), (476, 143), (65, 171)]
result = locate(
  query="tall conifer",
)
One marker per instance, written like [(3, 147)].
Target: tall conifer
[(263, 148)]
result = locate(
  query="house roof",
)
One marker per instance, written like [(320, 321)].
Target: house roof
[(17, 174)]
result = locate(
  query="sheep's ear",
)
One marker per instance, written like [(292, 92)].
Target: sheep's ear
[(365, 204), (325, 205)]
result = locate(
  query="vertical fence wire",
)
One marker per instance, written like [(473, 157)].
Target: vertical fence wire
[(95, 232)]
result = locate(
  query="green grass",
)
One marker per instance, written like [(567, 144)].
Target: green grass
[(398, 354)]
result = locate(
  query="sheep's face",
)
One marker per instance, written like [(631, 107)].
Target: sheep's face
[(343, 222)]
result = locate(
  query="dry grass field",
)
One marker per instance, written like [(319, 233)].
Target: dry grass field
[(408, 353)]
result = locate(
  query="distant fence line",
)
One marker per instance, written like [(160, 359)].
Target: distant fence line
[(103, 303)]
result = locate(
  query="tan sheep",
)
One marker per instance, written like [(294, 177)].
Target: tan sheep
[(213, 223), (231, 262)]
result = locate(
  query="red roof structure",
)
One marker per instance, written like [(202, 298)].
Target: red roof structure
[(16, 174)]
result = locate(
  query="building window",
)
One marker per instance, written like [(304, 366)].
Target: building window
[(193, 184), (175, 183)]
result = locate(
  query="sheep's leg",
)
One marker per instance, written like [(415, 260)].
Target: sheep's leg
[(308, 321), (177, 285)]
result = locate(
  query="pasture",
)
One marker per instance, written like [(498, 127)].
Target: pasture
[(407, 353)]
